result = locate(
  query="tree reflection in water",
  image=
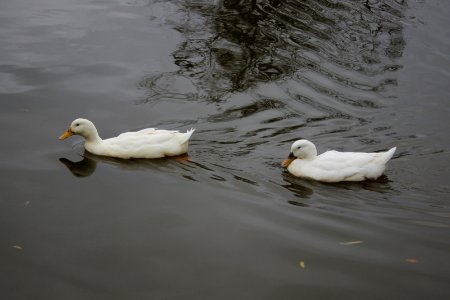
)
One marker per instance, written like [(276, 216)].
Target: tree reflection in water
[(232, 45)]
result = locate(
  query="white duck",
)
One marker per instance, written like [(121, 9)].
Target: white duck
[(146, 143), (334, 166)]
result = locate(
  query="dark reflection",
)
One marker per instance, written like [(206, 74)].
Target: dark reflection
[(247, 110), (232, 45), (83, 168), (184, 165), (86, 167), (304, 188), (381, 185), (297, 203), (296, 186)]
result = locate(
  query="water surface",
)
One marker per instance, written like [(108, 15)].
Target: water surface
[(251, 77)]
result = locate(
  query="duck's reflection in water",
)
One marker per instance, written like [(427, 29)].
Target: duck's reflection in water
[(86, 167), (82, 168), (304, 188), (298, 187), (184, 166)]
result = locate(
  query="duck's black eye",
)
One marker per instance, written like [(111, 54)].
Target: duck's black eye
[(77, 124), (299, 147)]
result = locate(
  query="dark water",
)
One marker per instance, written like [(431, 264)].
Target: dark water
[(252, 77)]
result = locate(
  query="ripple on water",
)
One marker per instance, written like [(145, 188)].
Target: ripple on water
[(330, 60)]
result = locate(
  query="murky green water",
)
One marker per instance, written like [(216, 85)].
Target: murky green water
[(251, 77)]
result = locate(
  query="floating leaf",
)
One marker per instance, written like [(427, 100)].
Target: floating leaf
[(17, 247), (412, 260), (301, 264), (351, 243)]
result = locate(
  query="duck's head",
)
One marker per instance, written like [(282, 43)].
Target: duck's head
[(302, 149), (82, 127)]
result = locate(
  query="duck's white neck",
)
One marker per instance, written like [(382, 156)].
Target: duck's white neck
[(92, 136)]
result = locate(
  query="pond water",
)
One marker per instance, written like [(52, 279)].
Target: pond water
[(251, 77)]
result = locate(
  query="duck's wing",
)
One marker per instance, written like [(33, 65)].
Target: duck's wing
[(354, 166), (335, 159), (334, 166), (145, 136), (142, 132), (148, 137)]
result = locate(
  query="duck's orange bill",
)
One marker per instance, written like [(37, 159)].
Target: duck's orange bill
[(66, 134), (286, 162)]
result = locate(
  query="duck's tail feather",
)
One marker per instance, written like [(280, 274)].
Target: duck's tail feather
[(388, 154), (187, 135)]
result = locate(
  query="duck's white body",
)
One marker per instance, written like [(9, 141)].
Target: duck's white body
[(146, 143), (335, 166)]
